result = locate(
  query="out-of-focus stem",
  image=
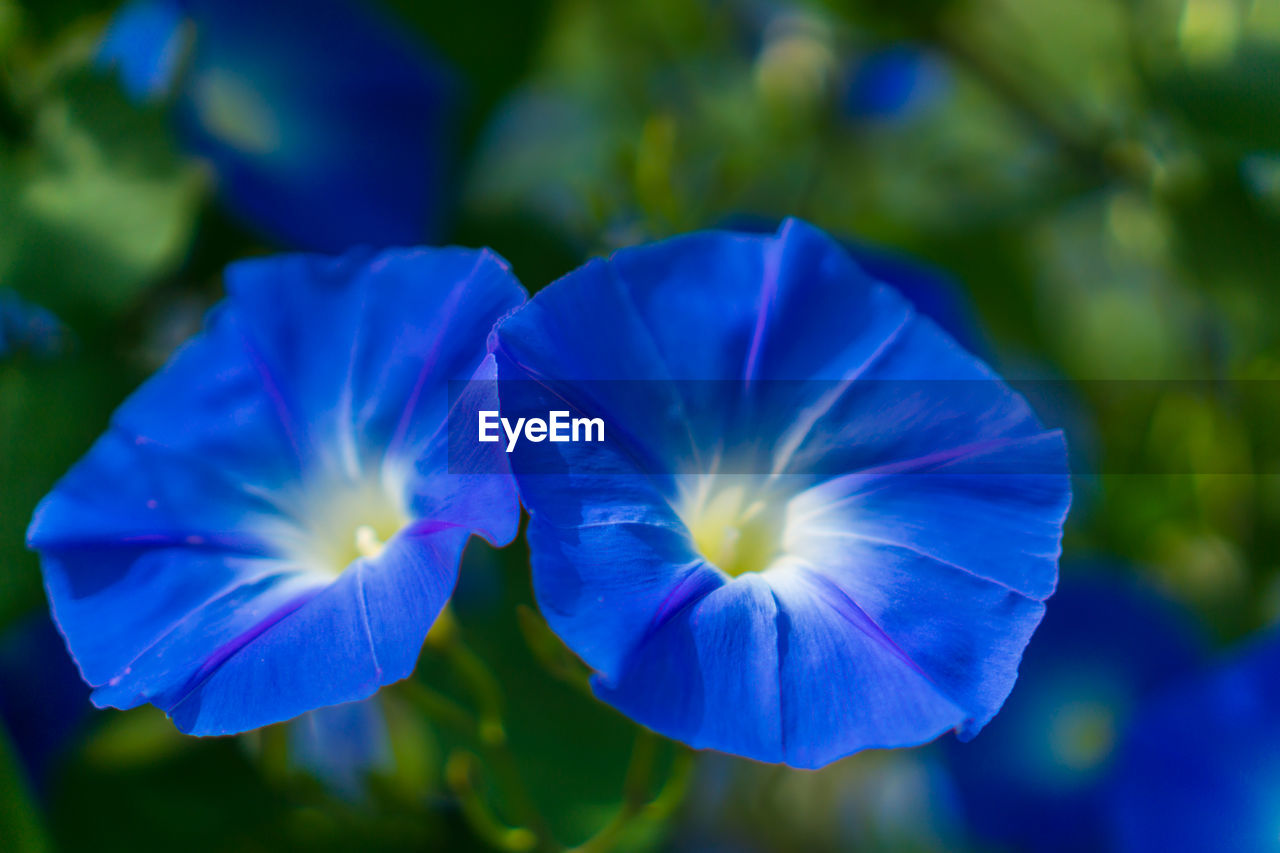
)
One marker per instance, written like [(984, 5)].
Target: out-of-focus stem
[(482, 685), (460, 773), (490, 733), (439, 708), (273, 755), (636, 808), (674, 790)]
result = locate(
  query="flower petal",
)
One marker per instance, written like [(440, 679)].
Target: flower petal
[(360, 633), (947, 517), (847, 684), (455, 479), (346, 376), (777, 668), (634, 563), (709, 675), (141, 620)]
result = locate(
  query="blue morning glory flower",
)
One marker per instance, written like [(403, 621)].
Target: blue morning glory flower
[(326, 126), (1038, 777), (271, 523), (818, 524), (1200, 769)]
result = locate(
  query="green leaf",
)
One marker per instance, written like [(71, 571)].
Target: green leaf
[(98, 206)]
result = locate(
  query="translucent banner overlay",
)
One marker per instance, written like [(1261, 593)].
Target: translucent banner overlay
[(830, 428)]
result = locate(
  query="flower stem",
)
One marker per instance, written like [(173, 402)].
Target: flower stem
[(273, 754), (440, 708), (487, 729), (636, 807), (483, 686), (460, 772)]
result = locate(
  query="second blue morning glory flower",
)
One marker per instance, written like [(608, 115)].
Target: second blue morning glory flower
[(818, 524), (269, 525), (1039, 777), (1200, 769)]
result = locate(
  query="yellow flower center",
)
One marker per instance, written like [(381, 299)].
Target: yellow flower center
[(369, 542), (343, 522), (733, 528)]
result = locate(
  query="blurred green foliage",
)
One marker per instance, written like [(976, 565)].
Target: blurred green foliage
[(1103, 176)]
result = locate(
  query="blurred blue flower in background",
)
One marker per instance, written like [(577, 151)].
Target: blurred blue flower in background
[(342, 745), (897, 82), (145, 43), (28, 328), (325, 126), (1038, 777), (818, 551), (900, 799), (268, 526), (1200, 769), (42, 699)]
